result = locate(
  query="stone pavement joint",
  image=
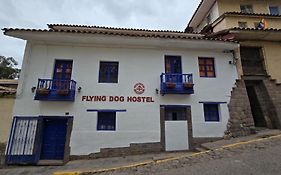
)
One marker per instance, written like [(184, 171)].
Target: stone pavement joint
[(156, 162)]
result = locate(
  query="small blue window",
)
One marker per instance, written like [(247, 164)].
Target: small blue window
[(108, 72), (274, 10), (211, 112), (106, 121)]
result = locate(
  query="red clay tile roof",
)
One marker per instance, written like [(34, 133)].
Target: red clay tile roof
[(7, 91), (255, 29), (8, 82), (53, 26), (226, 31), (80, 29), (251, 14)]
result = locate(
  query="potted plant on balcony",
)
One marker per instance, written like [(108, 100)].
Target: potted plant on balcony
[(188, 85), (62, 92), (170, 85), (43, 91)]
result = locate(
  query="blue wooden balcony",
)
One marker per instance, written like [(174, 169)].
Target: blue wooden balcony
[(55, 90), (176, 84)]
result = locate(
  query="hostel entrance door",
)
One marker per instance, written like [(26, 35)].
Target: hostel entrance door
[(54, 137), (177, 129), (35, 139)]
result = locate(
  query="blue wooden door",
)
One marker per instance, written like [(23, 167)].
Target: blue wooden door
[(62, 74), (173, 67), (54, 137)]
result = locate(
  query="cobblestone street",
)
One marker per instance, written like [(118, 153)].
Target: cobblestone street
[(257, 154), (259, 158)]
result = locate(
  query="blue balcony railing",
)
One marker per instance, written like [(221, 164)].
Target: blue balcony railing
[(176, 84), (55, 90)]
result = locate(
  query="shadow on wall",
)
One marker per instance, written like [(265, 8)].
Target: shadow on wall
[(2, 154)]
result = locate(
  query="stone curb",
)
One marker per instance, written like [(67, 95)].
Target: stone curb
[(164, 160)]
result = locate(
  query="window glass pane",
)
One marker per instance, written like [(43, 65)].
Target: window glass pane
[(210, 74), (202, 68), (274, 10), (106, 121), (209, 61), (246, 8), (242, 24), (211, 112), (206, 67), (108, 72), (201, 61), (173, 64), (202, 74), (175, 114), (210, 68)]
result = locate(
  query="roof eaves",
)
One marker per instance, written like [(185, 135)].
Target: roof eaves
[(252, 14), (255, 29), (52, 26), (231, 30), (198, 7), (139, 34)]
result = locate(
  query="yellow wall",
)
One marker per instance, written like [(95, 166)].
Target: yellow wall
[(272, 57), (6, 108), (232, 21), (259, 6)]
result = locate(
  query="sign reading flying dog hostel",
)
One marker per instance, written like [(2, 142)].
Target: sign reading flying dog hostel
[(139, 88)]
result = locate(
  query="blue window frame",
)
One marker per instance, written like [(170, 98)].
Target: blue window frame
[(62, 69), (211, 112), (173, 64), (106, 121), (108, 72), (274, 10), (207, 67)]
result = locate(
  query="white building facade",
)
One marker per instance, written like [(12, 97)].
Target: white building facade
[(91, 88)]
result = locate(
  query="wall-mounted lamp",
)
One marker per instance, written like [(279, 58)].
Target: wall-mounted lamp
[(79, 89), (157, 91), (33, 89)]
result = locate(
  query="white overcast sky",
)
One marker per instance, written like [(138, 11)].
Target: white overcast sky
[(146, 14)]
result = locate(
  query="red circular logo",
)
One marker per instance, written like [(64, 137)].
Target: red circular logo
[(139, 88)]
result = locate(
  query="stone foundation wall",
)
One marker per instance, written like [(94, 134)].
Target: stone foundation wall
[(133, 149), (197, 142), (274, 92), (241, 121)]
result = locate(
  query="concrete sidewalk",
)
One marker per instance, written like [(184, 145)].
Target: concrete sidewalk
[(89, 165), (260, 134), (129, 162)]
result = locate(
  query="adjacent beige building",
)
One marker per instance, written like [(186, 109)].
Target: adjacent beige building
[(7, 99), (256, 24)]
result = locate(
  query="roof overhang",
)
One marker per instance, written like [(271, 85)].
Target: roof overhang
[(179, 41), (200, 13), (249, 34)]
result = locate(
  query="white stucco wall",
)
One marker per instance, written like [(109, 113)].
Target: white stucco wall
[(141, 122), (214, 14)]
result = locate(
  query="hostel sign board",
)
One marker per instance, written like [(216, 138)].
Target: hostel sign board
[(139, 88), (129, 99)]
